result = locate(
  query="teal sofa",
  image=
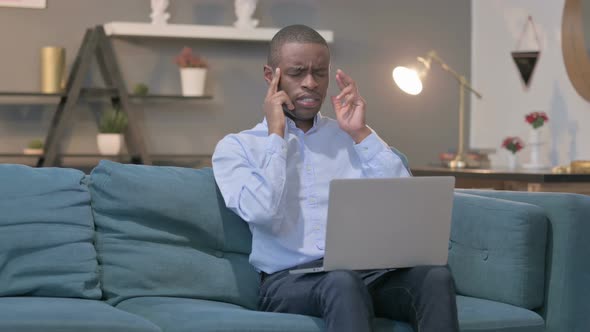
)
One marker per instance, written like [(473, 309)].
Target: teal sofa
[(149, 249)]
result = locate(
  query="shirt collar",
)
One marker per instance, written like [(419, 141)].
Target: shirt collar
[(290, 124)]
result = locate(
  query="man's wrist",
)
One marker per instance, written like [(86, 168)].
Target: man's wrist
[(361, 134), (277, 130)]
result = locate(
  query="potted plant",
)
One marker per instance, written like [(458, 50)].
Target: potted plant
[(193, 71), (111, 127), (512, 144), (140, 89), (536, 119), (35, 147)]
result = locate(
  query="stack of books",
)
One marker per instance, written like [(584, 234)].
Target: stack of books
[(476, 158)]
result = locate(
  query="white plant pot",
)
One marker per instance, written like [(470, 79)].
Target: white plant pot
[(33, 152), (109, 144), (193, 81)]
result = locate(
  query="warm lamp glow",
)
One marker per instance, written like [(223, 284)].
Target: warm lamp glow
[(408, 80)]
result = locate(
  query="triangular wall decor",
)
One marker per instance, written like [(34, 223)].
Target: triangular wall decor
[(526, 62)]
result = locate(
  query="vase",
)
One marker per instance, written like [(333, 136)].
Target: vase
[(512, 161), (53, 67), (534, 146), (193, 81), (109, 144)]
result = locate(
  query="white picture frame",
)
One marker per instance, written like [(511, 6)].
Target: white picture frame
[(24, 3)]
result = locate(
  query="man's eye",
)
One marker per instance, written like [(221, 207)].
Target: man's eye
[(321, 73)]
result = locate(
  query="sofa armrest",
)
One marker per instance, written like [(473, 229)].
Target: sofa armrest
[(497, 250), (567, 289)]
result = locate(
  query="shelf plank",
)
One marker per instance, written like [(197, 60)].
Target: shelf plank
[(18, 155), (96, 93), (193, 31), (28, 94)]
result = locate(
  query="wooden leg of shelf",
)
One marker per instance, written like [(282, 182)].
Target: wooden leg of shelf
[(66, 108), (133, 138)]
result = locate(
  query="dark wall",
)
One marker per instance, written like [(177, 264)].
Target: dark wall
[(371, 37)]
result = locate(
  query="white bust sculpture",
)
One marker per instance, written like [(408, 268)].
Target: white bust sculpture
[(244, 10), (159, 15)]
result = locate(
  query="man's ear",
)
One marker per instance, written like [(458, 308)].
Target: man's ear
[(268, 73)]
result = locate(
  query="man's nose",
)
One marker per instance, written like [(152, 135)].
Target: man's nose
[(309, 82)]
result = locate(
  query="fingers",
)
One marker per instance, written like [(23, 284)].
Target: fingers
[(284, 99), (349, 91), (343, 80), (348, 100), (273, 87), (275, 99), (346, 91), (281, 98), (336, 104)]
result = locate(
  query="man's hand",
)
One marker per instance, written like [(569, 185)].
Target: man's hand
[(273, 106), (349, 107)]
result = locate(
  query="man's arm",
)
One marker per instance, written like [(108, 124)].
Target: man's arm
[(254, 192), (378, 160), (251, 190), (376, 157)]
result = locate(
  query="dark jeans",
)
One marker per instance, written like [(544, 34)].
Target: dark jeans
[(349, 300)]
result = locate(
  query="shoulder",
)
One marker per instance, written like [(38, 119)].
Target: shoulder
[(243, 139)]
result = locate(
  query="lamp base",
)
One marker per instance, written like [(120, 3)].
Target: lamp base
[(458, 162)]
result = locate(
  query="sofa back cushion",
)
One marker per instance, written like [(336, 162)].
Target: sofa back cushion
[(497, 250), (165, 231), (46, 234)]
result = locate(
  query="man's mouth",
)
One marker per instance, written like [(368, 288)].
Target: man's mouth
[(308, 102)]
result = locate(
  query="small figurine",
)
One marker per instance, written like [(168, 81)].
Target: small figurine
[(244, 10), (159, 15)]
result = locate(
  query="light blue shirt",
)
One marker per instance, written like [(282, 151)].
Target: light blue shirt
[(280, 186)]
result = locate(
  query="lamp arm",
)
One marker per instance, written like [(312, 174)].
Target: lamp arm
[(460, 78), (460, 160)]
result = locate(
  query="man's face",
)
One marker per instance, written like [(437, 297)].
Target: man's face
[(305, 70)]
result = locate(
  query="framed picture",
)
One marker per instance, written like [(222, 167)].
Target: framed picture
[(24, 3)]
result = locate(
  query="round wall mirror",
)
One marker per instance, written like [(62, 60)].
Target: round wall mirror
[(575, 44)]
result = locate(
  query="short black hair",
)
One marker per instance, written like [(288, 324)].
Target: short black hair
[(297, 33)]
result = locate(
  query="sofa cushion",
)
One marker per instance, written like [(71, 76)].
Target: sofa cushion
[(567, 292), (497, 250), (478, 315), (188, 315), (46, 314), (165, 231), (46, 234)]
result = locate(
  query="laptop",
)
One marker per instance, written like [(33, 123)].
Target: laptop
[(387, 223)]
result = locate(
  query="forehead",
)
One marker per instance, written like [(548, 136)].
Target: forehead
[(304, 54)]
